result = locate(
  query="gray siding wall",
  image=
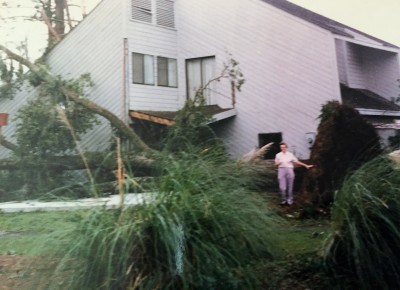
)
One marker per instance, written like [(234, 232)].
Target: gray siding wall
[(153, 40), (368, 68), (95, 46), (355, 68), (289, 66), (382, 72)]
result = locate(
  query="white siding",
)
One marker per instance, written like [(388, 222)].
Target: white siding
[(95, 46), (157, 41), (289, 66)]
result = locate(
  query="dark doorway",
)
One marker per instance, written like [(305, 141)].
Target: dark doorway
[(266, 138)]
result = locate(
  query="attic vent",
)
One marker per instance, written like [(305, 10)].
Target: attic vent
[(141, 10), (165, 13)]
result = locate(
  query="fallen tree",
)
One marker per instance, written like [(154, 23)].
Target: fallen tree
[(67, 109), (43, 75)]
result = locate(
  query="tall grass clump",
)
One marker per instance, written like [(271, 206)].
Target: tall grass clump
[(200, 228), (365, 249)]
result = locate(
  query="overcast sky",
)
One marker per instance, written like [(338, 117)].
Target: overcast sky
[(380, 18), (16, 26)]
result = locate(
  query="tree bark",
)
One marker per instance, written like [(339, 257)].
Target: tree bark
[(59, 25)]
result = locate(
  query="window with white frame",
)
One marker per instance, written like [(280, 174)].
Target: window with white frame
[(167, 72), (160, 12), (142, 69), (199, 72)]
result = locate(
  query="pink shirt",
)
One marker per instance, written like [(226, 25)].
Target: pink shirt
[(285, 159)]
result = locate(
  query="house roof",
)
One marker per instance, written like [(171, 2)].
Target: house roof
[(321, 21), (365, 99)]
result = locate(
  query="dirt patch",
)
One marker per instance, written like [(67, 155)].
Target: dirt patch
[(18, 272)]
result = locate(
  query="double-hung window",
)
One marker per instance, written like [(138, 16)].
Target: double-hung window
[(167, 72), (199, 72), (142, 69)]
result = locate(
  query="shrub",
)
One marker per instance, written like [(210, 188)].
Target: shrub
[(365, 247)]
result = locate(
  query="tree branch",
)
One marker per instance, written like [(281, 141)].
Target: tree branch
[(8, 144), (46, 76)]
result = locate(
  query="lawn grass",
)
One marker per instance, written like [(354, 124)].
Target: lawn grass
[(33, 233), (22, 232), (302, 237)]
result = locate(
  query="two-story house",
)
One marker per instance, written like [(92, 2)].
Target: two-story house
[(146, 57)]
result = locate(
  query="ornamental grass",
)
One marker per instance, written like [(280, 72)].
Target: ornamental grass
[(200, 227), (365, 249)]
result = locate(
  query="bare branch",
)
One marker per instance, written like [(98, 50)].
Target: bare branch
[(51, 29)]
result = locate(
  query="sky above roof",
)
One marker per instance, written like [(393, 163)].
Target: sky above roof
[(16, 23), (379, 18)]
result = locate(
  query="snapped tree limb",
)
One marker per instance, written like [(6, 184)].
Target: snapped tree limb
[(45, 75)]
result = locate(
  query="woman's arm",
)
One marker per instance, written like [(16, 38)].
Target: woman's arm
[(302, 164)]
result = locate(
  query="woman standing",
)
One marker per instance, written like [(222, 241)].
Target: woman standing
[(285, 161)]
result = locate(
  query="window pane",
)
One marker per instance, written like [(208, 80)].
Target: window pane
[(138, 66), (148, 69), (162, 70), (193, 68), (207, 67), (172, 73)]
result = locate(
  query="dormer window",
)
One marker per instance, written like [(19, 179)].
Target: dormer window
[(159, 12)]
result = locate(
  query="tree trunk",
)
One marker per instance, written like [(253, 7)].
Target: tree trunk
[(59, 26), (75, 162)]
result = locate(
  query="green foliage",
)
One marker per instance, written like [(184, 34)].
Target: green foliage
[(191, 126), (345, 141), (11, 79), (365, 248), (49, 125), (41, 130), (191, 129), (199, 229)]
